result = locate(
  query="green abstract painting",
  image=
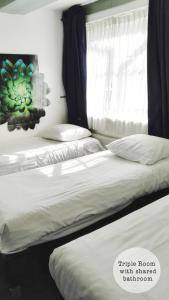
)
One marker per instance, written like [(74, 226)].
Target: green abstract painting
[(23, 92)]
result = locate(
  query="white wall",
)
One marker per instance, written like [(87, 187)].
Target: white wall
[(38, 33)]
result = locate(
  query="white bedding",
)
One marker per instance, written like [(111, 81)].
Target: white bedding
[(34, 152), (41, 204), (83, 269)]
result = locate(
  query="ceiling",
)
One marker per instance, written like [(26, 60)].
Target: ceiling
[(26, 6)]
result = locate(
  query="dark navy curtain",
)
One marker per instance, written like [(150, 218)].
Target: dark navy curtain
[(158, 68), (74, 64)]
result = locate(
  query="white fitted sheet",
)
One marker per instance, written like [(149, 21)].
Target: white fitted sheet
[(41, 204), (34, 152), (83, 269)]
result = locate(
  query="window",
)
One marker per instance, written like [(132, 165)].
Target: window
[(117, 74)]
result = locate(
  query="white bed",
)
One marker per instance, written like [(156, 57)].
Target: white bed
[(50, 202), (83, 269), (33, 152)]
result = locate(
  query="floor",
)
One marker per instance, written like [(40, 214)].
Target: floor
[(35, 284)]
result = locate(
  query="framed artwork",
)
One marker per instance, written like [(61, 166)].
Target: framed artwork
[(23, 92)]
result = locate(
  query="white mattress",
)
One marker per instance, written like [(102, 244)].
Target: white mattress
[(41, 204), (33, 152), (83, 269)]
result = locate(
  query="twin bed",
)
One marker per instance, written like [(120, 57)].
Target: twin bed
[(46, 203), (55, 200), (83, 269), (35, 152)]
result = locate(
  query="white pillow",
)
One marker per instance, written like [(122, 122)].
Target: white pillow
[(142, 148), (65, 133)]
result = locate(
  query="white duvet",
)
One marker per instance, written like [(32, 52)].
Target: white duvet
[(83, 269), (42, 204), (34, 152)]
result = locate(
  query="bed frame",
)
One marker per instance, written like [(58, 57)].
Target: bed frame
[(13, 267)]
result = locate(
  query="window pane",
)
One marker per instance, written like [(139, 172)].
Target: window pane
[(117, 74)]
